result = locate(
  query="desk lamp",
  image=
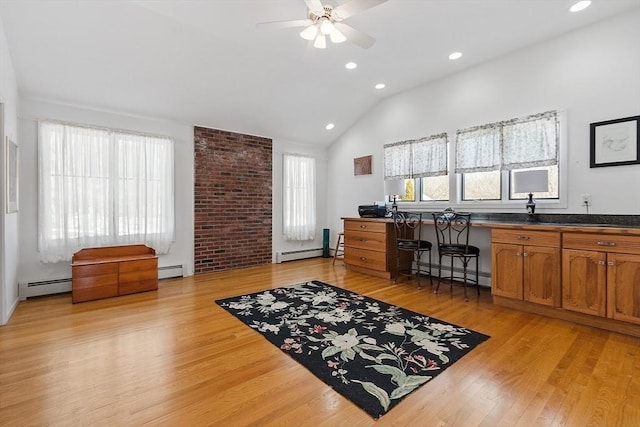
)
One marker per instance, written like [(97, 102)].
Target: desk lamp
[(394, 188), (530, 182)]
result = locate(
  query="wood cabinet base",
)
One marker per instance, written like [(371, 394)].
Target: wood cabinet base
[(570, 316), (111, 271)]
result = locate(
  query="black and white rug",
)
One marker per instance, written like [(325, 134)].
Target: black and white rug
[(372, 353)]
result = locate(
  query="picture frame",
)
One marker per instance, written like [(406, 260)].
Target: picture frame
[(12, 176), (615, 142), (362, 165)]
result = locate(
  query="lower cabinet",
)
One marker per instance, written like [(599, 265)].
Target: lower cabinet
[(584, 281), (526, 265), (591, 278), (601, 275), (370, 247), (111, 271)]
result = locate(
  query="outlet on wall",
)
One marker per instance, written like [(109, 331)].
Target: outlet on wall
[(586, 199)]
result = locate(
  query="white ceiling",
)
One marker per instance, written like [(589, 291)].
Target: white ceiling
[(206, 63)]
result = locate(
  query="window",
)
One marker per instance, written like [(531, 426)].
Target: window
[(425, 158), (102, 187), (486, 155), (299, 197), (435, 188), (481, 186)]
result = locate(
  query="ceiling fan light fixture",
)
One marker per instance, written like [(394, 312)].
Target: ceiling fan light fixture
[(337, 37), (309, 33), (321, 42), (327, 27)]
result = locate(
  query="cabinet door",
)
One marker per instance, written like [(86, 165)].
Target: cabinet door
[(506, 270), (584, 275), (542, 275), (623, 286)]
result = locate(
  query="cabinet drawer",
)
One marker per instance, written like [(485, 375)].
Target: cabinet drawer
[(602, 242), (94, 269), (372, 226), (90, 282), (365, 240), (138, 265), (94, 292), (137, 276), (526, 237), (138, 286), (364, 258)]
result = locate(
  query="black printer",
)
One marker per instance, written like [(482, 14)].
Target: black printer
[(372, 211)]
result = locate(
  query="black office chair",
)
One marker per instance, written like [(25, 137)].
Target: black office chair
[(409, 245), (452, 231)]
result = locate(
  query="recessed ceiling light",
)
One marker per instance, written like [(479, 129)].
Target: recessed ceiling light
[(455, 55), (329, 126), (581, 5), (380, 86), (351, 65)]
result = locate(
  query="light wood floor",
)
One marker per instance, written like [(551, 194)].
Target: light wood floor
[(174, 358)]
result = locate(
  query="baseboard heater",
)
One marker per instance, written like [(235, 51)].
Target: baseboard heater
[(294, 255), (57, 286)]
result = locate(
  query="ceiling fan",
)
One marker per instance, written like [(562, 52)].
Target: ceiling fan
[(326, 20)]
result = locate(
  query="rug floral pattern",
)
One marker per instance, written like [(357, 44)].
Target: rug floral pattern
[(371, 352)]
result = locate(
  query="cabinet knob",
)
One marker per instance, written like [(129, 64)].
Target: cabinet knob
[(363, 226), (525, 254), (611, 263), (599, 262), (601, 243), (363, 240), (522, 237), (362, 258)]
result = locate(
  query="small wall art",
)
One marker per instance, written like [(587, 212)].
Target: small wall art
[(12, 176), (362, 165), (615, 142)]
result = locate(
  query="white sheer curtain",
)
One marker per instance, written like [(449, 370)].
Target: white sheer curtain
[(299, 197), (478, 149), (416, 158), (99, 187), (397, 160), (521, 143), (530, 141), (429, 156)]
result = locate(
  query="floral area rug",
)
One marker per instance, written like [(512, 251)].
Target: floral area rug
[(372, 353)]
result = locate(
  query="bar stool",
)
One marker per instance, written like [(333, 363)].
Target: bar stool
[(410, 246), (452, 231), (338, 253)]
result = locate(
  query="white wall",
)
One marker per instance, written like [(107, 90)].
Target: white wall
[(30, 268), (280, 243), (9, 235), (593, 74)]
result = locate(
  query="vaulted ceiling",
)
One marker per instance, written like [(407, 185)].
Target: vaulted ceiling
[(206, 63)]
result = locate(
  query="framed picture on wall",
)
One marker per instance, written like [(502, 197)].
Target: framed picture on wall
[(362, 165), (615, 142), (12, 176)]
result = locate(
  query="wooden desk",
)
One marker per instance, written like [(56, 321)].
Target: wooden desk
[(112, 271)]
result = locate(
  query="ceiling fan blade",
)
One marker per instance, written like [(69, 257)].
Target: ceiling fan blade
[(315, 6), (285, 24), (352, 7), (354, 36)]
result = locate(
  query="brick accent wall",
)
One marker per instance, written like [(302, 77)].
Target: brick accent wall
[(233, 200)]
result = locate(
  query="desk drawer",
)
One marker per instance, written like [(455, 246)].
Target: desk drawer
[(526, 237), (371, 226), (364, 258), (94, 269), (602, 242), (365, 240)]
